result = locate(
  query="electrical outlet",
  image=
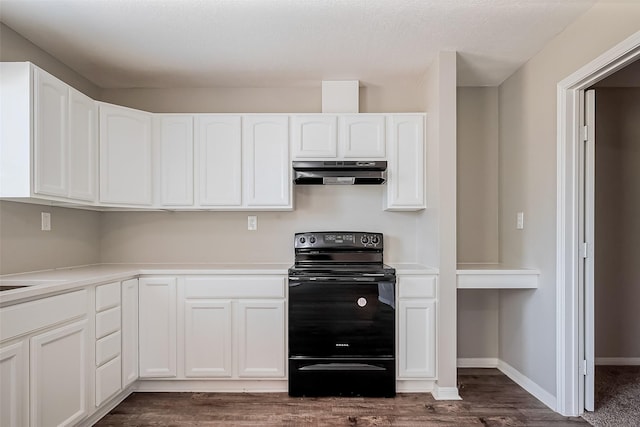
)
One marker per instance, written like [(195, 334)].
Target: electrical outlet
[(252, 223), (520, 221), (45, 221)]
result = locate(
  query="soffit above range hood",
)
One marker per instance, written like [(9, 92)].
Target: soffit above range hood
[(339, 172)]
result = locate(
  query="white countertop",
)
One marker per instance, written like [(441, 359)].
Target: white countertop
[(413, 269), (62, 279)]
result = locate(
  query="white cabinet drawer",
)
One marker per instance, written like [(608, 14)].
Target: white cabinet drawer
[(234, 287), (417, 286), (23, 318), (107, 348), (107, 322), (107, 296), (108, 380)]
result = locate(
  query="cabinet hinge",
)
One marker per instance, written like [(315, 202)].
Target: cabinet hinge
[(585, 133), (583, 368), (584, 250)]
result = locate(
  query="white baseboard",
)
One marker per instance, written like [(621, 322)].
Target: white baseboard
[(210, 386), (477, 362), (527, 384), (415, 386), (445, 393), (619, 361)]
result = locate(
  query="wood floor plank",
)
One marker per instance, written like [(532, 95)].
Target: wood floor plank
[(490, 399)]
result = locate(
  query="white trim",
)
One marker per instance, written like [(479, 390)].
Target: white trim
[(567, 290), (618, 361), (415, 386), (445, 393), (478, 362), (527, 384), (210, 386)]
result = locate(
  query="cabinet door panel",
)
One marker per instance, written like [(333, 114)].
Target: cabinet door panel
[(14, 385), (362, 136), (157, 328), (266, 161), (83, 146), (59, 365), (417, 339), (406, 171), (261, 339), (314, 136), (108, 380), (129, 332), (125, 156), (50, 134), (219, 144), (207, 339), (176, 160)]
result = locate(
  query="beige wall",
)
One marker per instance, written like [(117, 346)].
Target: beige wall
[(527, 155), (617, 216), (74, 238)]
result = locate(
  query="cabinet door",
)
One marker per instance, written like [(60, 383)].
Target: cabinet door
[(266, 166), (129, 332), (14, 385), (50, 111), (417, 339), (59, 380), (207, 338), (175, 138), (83, 147), (219, 151), (261, 339), (362, 136), (125, 156), (406, 171), (314, 136), (157, 327)]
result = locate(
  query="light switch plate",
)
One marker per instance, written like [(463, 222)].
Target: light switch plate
[(45, 221), (252, 223), (520, 221)]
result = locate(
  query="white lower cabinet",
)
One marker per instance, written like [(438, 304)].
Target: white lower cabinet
[(14, 384), (59, 376), (129, 332), (108, 363), (207, 339), (417, 327), (157, 327)]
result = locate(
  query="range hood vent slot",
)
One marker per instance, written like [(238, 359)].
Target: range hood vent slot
[(340, 172)]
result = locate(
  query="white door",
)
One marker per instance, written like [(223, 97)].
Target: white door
[(83, 147), (50, 134), (59, 376), (175, 139), (261, 339), (125, 156), (207, 339), (266, 166), (157, 327), (219, 144), (314, 136), (129, 332), (362, 136), (14, 385), (588, 237), (417, 338)]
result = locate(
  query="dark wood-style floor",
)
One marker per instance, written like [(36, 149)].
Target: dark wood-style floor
[(489, 399)]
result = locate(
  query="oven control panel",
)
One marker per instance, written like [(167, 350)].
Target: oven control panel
[(335, 240)]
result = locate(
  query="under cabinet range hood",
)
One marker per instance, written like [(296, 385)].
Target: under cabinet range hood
[(358, 172)]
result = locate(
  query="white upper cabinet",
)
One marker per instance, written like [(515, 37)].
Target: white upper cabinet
[(125, 156), (219, 145), (345, 136), (59, 139), (362, 136), (266, 166), (174, 139), (83, 147), (405, 188), (314, 136), (50, 114)]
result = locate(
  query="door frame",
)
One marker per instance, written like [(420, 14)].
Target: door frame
[(569, 279)]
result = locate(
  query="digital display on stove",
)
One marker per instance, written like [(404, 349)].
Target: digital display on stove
[(339, 238)]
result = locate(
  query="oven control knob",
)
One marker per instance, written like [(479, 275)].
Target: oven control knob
[(364, 240), (303, 240), (375, 240), (312, 239)]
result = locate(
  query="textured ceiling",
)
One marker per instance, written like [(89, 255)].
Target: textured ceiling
[(206, 43)]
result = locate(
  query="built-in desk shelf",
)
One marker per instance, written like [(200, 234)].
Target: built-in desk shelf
[(495, 276)]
